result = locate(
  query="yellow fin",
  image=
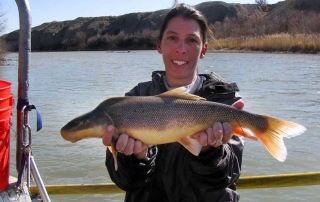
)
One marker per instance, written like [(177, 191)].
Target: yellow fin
[(244, 132), (272, 137), (180, 93), (192, 145), (114, 153)]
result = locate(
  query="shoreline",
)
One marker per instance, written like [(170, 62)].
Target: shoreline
[(259, 51)]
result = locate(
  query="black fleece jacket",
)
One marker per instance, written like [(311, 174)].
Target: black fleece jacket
[(170, 173)]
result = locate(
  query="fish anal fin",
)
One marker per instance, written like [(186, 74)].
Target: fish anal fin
[(180, 93), (192, 145), (244, 132)]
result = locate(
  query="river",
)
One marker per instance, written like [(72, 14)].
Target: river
[(64, 85)]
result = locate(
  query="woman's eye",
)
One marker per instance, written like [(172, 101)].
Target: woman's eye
[(171, 38), (193, 41)]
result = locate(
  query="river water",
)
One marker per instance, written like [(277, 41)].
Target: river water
[(64, 85)]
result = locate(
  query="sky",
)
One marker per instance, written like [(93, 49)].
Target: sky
[(43, 11)]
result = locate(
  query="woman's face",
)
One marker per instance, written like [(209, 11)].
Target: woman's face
[(181, 47)]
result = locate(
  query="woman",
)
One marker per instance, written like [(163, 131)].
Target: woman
[(169, 172)]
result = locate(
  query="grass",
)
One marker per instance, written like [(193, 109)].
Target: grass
[(301, 43)]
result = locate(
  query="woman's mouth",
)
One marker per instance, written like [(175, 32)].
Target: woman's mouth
[(178, 62)]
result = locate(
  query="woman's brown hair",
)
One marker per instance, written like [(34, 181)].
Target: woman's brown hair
[(187, 12)]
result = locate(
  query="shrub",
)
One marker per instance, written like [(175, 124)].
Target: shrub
[(292, 22), (302, 43), (121, 41)]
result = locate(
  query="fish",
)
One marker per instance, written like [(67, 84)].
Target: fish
[(174, 116)]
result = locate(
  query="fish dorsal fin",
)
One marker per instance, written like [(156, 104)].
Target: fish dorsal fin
[(180, 93)]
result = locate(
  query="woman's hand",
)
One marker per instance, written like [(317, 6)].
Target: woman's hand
[(218, 134), (126, 144)]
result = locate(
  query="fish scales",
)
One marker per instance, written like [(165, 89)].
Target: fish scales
[(155, 114), (162, 113)]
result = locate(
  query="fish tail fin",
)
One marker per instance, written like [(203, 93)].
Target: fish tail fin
[(192, 145), (272, 137)]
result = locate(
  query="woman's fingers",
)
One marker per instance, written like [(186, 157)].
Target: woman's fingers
[(107, 137)]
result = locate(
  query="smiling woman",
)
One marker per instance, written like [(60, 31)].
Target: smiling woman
[(169, 172)]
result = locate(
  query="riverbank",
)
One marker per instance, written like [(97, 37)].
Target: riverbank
[(276, 43), (299, 43)]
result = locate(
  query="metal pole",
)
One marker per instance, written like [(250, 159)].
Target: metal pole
[(23, 70), (37, 178)]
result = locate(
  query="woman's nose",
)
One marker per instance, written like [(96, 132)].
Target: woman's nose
[(181, 47)]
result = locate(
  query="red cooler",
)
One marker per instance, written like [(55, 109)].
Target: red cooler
[(6, 104)]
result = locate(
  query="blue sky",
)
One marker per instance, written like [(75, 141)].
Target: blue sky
[(43, 11)]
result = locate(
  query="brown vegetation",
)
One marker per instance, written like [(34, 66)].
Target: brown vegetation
[(302, 43), (145, 40), (296, 31), (296, 22)]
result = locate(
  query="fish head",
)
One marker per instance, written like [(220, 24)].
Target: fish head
[(89, 125)]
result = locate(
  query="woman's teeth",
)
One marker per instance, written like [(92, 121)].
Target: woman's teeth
[(179, 62)]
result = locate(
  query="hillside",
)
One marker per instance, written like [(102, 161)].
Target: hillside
[(65, 35)]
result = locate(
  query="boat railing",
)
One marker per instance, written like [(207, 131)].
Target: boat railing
[(248, 182)]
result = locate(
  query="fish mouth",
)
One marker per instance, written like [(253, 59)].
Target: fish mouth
[(76, 135), (69, 136)]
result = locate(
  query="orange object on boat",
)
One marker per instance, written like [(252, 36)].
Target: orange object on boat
[(6, 104)]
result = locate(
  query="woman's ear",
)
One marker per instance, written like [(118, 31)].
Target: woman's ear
[(159, 49), (204, 51)]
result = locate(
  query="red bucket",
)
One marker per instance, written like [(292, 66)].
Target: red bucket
[(6, 103), (5, 89), (5, 113)]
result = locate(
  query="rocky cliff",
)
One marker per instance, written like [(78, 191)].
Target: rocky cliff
[(57, 35)]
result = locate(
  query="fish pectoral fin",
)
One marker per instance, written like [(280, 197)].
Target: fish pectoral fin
[(244, 132), (192, 145), (113, 149), (110, 149), (180, 93), (114, 153)]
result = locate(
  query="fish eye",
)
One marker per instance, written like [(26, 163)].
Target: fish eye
[(83, 123)]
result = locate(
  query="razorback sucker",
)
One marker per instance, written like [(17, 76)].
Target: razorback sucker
[(175, 116)]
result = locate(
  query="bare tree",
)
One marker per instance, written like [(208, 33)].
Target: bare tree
[(3, 21), (261, 2)]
